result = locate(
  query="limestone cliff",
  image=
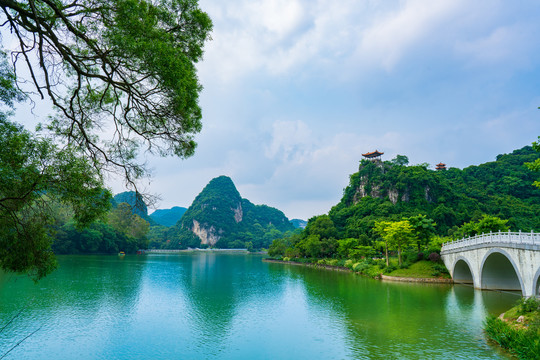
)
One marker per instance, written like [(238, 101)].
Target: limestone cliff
[(219, 216)]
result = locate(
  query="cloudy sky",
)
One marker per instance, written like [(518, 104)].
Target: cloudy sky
[(296, 90)]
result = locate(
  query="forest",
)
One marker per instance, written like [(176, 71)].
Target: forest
[(390, 206)]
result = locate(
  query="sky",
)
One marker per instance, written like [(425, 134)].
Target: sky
[(296, 90)]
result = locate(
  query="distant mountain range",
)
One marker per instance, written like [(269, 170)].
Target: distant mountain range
[(168, 217), (220, 217), (298, 223)]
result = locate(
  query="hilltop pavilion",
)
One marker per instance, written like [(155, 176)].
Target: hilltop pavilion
[(373, 156), (440, 166)]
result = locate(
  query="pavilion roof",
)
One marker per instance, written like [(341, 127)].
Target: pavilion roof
[(372, 154)]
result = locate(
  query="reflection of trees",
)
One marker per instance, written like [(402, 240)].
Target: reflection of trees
[(403, 319), (99, 290)]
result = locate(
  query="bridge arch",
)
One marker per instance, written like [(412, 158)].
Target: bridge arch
[(536, 284), (462, 271), (499, 271)]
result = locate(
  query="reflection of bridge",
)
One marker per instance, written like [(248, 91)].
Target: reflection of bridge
[(503, 261)]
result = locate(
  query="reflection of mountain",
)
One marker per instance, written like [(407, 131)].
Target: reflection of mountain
[(217, 283)]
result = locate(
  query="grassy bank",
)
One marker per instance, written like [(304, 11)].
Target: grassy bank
[(374, 268), (518, 329)]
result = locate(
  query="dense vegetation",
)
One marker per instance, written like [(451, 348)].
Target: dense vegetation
[(518, 330), (121, 229), (391, 207), (227, 221), (115, 64)]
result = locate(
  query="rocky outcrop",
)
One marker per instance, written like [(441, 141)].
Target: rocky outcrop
[(238, 213), (393, 195), (207, 236)]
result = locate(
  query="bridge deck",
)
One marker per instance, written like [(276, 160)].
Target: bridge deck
[(522, 240)]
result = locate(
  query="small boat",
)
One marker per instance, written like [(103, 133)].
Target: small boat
[(121, 254)]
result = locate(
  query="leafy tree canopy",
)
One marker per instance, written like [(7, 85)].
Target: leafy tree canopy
[(125, 68), (128, 62)]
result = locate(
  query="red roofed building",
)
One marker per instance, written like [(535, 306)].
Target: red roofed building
[(440, 166), (373, 156)]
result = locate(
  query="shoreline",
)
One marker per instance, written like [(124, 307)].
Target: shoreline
[(381, 276)]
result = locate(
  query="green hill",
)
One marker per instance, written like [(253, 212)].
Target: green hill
[(385, 190), (168, 217), (392, 191), (134, 200), (219, 217)]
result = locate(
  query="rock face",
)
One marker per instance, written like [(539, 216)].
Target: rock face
[(379, 181), (207, 236), (219, 216)]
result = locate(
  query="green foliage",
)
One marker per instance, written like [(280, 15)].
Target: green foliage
[(123, 220), (484, 225), (439, 207), (535, 165), (322, 226), (527, 305), (400, 160), (135, 201), (129, 62), (423, 229), (524, 343), (396, 235), (34, 175)]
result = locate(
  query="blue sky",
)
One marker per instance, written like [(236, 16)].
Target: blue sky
[(295, 91)]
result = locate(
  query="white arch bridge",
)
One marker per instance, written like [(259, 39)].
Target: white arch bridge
[(498, 261)]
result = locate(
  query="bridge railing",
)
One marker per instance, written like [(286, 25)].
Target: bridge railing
[(506, 237)]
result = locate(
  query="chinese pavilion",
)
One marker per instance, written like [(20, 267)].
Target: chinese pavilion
[(373, 156), (440, 166)]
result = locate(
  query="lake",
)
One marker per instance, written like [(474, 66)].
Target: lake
[(231, 306)]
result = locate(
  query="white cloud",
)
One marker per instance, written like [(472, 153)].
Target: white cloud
[(506, 44), (389, 38)]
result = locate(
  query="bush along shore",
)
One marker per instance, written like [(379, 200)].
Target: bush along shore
[(413, 268), (518, 329)]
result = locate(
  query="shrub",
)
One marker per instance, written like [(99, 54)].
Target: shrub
[(361, 267), (349, 264), (420, 256), (440, 268), (286, 258), (527, 305), (410, 257), (390, 268), (332, 262), (321, 262), (405, 265), (434, 257)]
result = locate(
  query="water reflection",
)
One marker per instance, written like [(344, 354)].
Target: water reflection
[(82, 301), (208, 305), (404, 320)]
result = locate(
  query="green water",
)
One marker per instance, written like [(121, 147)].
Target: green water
[(219, 306)]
